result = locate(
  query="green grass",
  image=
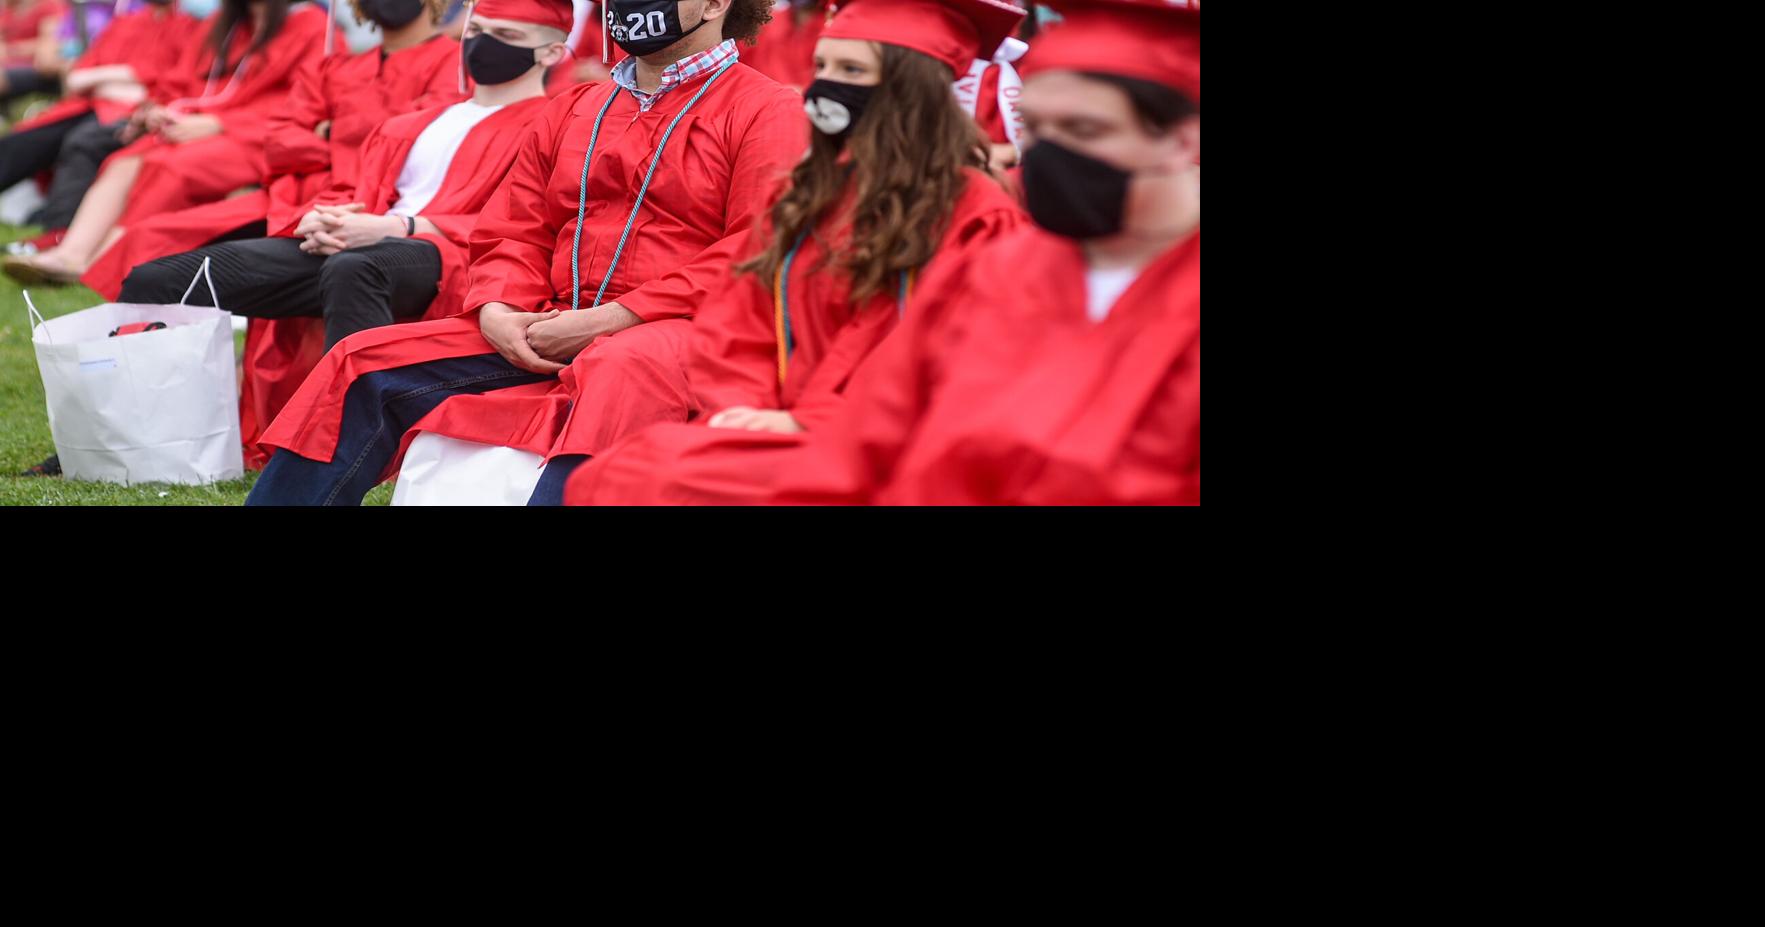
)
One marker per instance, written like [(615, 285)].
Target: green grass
[(24, 419)]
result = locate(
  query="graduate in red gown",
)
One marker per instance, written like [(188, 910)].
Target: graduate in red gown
[(203, 135), (785, 50), (136, 49), (335, 102), (124, 65), (894, 189), (390, 243), (585, 269), (1060, 365)]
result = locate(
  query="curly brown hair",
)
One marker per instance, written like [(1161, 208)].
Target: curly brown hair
[(908, 156), (744, 19)]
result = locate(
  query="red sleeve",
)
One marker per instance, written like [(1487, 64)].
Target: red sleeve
[(830, 402), (769, 146), (270, 78), (511, 250), (735, 344), (457, 229), (185, 78), (847, 461), (292, 147), (105, 49), (358, 189), (443, 88)]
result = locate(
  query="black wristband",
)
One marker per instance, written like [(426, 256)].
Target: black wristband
[(410, 226)]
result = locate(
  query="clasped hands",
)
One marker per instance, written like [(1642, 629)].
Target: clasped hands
[(545, 342), (327, 230)]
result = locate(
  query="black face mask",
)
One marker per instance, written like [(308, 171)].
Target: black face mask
[(391, 14), (643, 27), (834, 108), (492, 62), (1073, 194)]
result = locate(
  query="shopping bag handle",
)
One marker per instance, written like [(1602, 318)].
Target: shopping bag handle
[(202, 274), (32, 313)]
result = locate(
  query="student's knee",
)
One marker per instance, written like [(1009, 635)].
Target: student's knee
[(351, 269), (161, 281), (649, 346), (93, 137)]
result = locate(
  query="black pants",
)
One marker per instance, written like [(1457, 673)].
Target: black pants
[(271, 278), (74, 148), (378, 409), (22, 81)]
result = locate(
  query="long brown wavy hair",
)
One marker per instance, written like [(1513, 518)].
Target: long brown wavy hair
[(908, 151), (234, 12)]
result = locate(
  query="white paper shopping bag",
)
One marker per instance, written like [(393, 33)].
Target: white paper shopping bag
[(153, 406)]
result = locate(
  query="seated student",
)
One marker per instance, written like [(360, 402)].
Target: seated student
[(394, 247), (785, 53), (317, 137), (687, 144), (785, 49), (22, 23), (197, 146), (893, 188), (120, 69), (335, 102), (1060, 365)]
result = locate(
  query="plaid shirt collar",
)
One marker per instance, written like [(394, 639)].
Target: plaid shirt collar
[(625, 72)]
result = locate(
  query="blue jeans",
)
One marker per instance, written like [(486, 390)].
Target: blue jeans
[(378, 409)]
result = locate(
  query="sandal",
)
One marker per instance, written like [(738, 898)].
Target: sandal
[(51, 466), (28, 272)]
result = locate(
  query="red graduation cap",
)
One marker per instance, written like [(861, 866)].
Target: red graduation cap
[(955, 32), (557, 14), (1155, 40)]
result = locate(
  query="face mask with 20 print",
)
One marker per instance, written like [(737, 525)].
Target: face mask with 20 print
[(644, 27)]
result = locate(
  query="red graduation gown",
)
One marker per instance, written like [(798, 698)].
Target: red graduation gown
[(175, 177), (588, 48), (280, 353), (1000, 390), (149, 41), (713, 180), (354, 93), (735, 363), (785, 48)]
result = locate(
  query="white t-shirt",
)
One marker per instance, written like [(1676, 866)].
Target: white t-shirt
[(426, 166), (1104, 287)]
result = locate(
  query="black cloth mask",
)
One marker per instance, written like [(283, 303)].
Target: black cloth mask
[(492, 62), (391, 14), (834, 108), (1072, 194), (644, 27)]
